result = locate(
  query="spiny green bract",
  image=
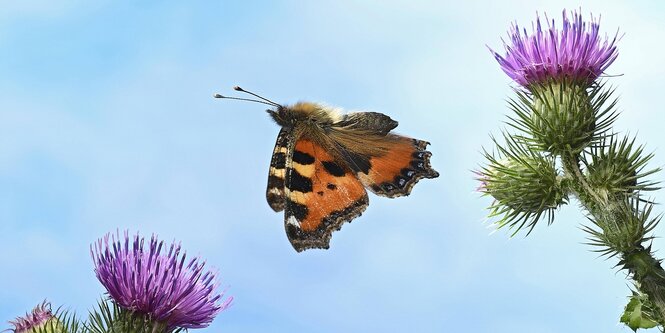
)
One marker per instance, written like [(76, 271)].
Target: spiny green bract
[(51, 326), (562, 117), (111, 318), (622, 229), (616, 167), (62, 322), (525, 186), (106, 318)]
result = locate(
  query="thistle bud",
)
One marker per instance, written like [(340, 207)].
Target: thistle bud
[(524, 189), (617, 168), (40, 320), (563, 117), (612, 179)]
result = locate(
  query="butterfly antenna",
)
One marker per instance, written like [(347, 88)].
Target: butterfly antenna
[(242, 99), (236, 88)]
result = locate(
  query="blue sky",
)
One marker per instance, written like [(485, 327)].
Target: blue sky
[(107, 122)]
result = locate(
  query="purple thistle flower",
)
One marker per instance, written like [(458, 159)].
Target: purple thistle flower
[(160, 285), (39, 316), (576, 52)]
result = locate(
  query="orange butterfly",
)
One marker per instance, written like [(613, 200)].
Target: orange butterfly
[(323, 161)]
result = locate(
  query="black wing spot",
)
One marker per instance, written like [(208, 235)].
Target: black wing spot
[(297, 210), (387, 186), (333, 168), (279, 161), (356, 162), (302, 158), (418, 165), (320, 193), (331, 186), (298, 182), (408, 173), (275, 182)]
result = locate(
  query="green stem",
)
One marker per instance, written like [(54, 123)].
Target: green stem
[(643, 268)]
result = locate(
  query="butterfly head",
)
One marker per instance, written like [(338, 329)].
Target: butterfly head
[(306, 113), (289, 115), (282, 116)]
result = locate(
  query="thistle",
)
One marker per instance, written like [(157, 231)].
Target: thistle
[(41, 319), (562, 145), (558, 69), (152, 287)]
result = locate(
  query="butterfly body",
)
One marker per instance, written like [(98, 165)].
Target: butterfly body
[(324, 160)]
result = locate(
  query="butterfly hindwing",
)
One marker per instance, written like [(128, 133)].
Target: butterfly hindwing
[(320, 195), (386, 163), (394, 173), (277, 172)]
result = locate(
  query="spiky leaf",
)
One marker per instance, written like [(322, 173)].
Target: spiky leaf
[(638, 313)]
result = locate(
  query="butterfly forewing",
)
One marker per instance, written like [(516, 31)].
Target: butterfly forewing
[(277, 172), (372, 123), (321, 193)]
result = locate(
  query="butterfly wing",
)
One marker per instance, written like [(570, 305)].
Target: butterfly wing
[(320, 195), (395, 173), (277, 172), (386, 163)]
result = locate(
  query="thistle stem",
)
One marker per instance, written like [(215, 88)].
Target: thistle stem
[(581, 186), (643, 268)]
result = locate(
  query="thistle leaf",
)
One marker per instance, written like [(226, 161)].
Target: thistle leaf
[(638, 313)]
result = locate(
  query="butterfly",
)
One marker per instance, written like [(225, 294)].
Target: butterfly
[(324, 161)]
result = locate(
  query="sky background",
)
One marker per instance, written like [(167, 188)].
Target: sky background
[(107, 122)]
